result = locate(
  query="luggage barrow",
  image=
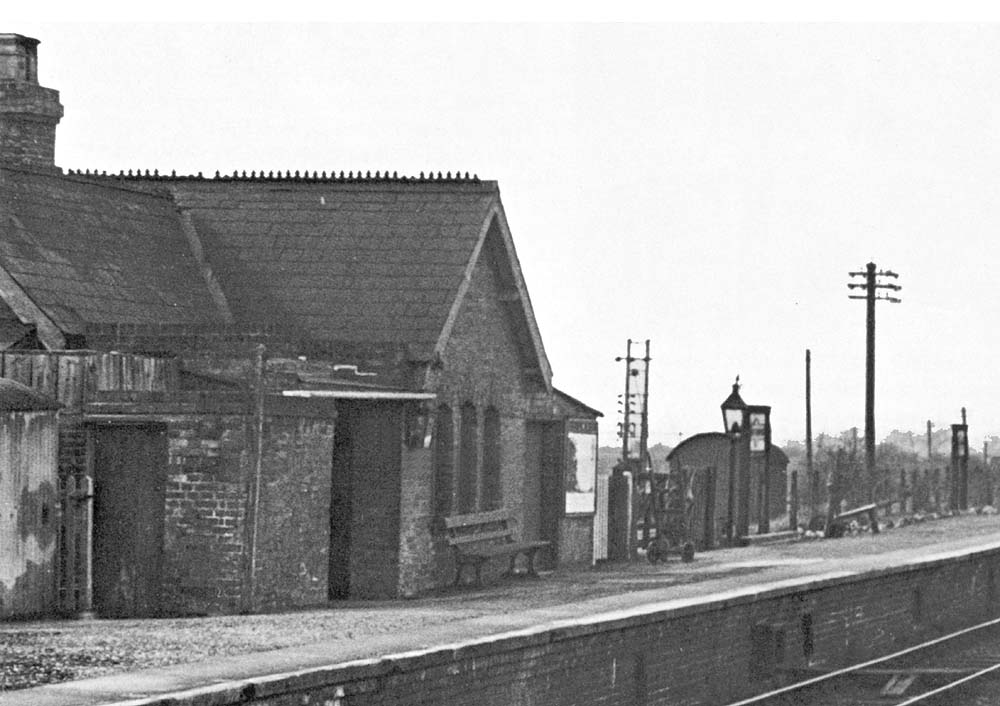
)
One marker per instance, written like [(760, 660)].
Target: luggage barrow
[(672, 508)]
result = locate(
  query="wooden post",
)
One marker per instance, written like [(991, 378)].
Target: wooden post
[(930, 448), (248, 598), (68, 534), (833, 492), (709, 525), (987, 476), (85, 510)]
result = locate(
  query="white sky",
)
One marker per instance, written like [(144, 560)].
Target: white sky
[(706, 186)]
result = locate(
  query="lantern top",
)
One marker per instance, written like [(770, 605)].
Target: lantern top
[(732, 409)]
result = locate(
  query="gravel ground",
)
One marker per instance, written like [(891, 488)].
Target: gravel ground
[(35, 653)]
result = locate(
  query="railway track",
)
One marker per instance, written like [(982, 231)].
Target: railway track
[(959, 668)]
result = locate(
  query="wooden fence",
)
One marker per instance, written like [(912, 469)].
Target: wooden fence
[(75, 378)]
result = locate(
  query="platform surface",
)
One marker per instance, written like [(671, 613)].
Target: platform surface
[(206, 653)]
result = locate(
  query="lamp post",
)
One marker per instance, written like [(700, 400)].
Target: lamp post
[(733, 410)]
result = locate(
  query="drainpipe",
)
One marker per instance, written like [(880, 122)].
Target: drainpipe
[(253, 498)]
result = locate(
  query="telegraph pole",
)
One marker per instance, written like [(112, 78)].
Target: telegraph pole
[(813, 481), (871, 285), (627, 401), (644, 417)]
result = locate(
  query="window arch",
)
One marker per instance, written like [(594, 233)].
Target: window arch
[(468, 458), (444, 461), (492, 493)]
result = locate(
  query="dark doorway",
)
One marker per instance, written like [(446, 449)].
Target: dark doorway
[(546, 450), (365, 500), (130, 463)]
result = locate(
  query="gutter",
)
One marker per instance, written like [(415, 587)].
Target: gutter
[(358, 395)]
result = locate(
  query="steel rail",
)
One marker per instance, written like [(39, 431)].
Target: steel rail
[(947, 687), (760, 698)]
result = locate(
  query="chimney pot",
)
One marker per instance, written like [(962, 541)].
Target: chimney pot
[(29, 112)]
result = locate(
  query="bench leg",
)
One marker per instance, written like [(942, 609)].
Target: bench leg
[(531, 562), (458, 573), (479, 571), (874, 521), (513, 559)]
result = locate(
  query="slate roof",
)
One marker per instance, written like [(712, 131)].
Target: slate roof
[(90, 253), (369, 261), (378, 261)]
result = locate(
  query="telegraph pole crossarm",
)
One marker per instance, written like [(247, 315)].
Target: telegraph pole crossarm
[(872, 285)]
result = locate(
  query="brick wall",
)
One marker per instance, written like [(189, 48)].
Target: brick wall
[(482, 365), (294, 516), (204, 512), (417, 570), (210, 469), (677, 652)]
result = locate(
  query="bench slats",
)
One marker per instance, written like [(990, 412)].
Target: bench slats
[(476, 537), (477, 518), (480, 537)]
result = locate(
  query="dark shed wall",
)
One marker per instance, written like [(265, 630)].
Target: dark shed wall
[(700, 452), (28, 513)]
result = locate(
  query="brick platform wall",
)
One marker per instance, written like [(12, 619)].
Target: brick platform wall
[(678, 652)]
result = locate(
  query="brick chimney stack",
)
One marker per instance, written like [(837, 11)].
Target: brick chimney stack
[(29, 113)]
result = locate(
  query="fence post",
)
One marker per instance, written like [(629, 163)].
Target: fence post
[(67, 550), (85, 525)]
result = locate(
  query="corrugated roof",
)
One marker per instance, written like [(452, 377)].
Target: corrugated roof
[(98, 253)]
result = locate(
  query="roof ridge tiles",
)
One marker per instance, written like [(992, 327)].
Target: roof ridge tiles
[(298, 176)]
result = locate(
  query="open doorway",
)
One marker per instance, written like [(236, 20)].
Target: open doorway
[(365, 498), (544, 492)]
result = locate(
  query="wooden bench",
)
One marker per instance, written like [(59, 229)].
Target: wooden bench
[(869, 510), (478, 537)]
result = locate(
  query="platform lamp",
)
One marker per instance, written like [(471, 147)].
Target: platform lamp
[(733, 411), (960, 464), (758, 429)]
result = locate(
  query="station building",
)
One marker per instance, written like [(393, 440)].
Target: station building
[(274, 386)]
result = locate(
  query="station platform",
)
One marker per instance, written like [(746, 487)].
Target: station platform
[(558, 600)]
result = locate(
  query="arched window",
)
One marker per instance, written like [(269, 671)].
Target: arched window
[(492, 491), (444, 461), (468, 459)]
